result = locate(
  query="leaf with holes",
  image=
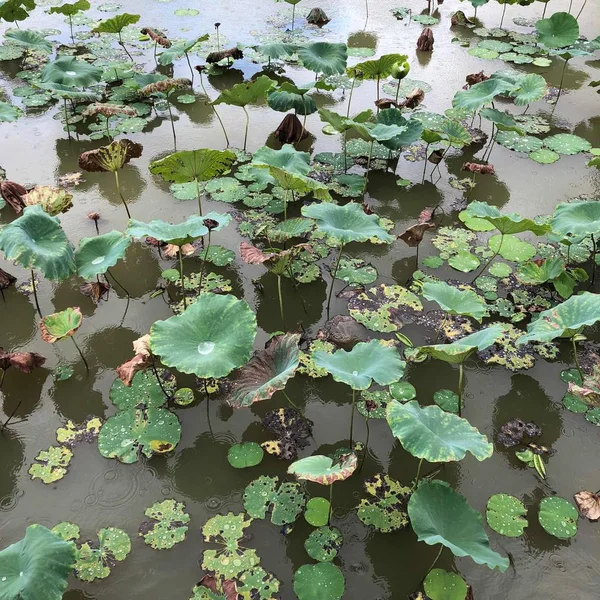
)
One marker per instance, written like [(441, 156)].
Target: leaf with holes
[(286, 501), (167, 525), (385, 506)]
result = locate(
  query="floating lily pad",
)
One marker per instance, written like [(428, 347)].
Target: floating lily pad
[(544, 156), (447, 400), (385, 507), (512, 248), (324, 543), (323, 581), (52, 464), (70, 435), (443, 585), (167, 525), (521, 143), (317, 511), (144, 391), (96, 561), (558, 517), (355, 271), (566, 143), (285, 501), (505, 515), (244, 455), (372, 405)]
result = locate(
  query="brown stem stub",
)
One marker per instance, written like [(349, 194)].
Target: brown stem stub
[(290, 130), (425, 41)]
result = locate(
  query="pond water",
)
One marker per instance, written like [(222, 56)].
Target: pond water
[(98, 492)]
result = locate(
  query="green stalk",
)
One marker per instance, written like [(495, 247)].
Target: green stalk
[(108, 129), (124, 48), (352, 418), (67, 118), (398, 90), (593, 260), (247, 124), (190, 66), (582, 7), (280, 300), (418, 474), (330, 503), (214, 110), (198, 196), (117, 282), (350, 98), (71, 26), (172, 125), (182, 278), (502, 21), (460, 388), (120, 194), (576, 357), (293, 15), (87, 368), (562, 78), (335, 270), (487, 264), (369, 165), (439, 553), (203, 263), (425, 166), (366, 451), (35, 296)]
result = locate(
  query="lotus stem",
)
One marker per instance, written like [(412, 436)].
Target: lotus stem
[(293, 405), (439, 553), (71, 26), (367, 9), (418, 474), (208, 407), (172, 125), (118, 283), (214, 110), (155, 371), (502, 20), (544, 12), (108, 129), (187, 57), (570, 6), (330, 503), (460, 388), (2, 377), (121, 195), (335, 270), (377, 94), (364, 456), (441, 160), (203, 262), (12, 414), (345, 153), (247, 124), (87, 367), (293, 15), (398, 90), (425, 165), (67, 118), (350, 98), (562, 78), (475, 13), (352, 418), (368, 166), (121, 43), (487, 264), (182, 279), (35, 296), (155, 57), (593, 260), (280, 300), (219, 41), (198, 196), (576, 358)]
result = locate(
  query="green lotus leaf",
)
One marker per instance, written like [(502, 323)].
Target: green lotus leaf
[(70, 10), (511, 248), (567, 143), (503, 120), (288, 159), (434, 434), (531, 88), (70, 72), (323, 581), (116, 24), (167, 525), (124, 435), (323, 469), (37, 241), (342, 124), (144, 391), (455, 133), (267, 372), (559, 31), (447, 400), (324, 57), (355, 271), (403, 391), (506, 223), (9, 113), (519, 143), (533, 274), (505, 515), (439, 515), (36, 567), (193, 165), (385, 507), (285, 501), (246, 454), (300, 184), (366, 362), (98, 254), (544, 156), (29, 39), (495, 45), (16, 10), (96, 562), (455, 301), (578, 219), (564, 320), (169, 55), (480, 94), (218, 255), (483, 53), (276, 50), (378, 69), (211, 338), (348, 223), (324, 543), (258, 583), (61, 325), (443, 585), (394, 131), (459, 350), (52, 464), (66, 531), (465, 262), (317, 511), (287, 97), (558, 517), (242, 94)]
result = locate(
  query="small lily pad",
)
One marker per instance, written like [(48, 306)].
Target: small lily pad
[(558, 517), (544, 156), (167, 525), (505, 515), (52, 464), (444, 585), (317, 511), (246, 454), (385, 506), (183, 396), (324, 543)]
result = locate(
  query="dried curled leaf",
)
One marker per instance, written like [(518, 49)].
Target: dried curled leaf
[(156, 37), (6, 279), (474, 78), (221, 588), (108, 110), (233, 53), (479, 168), (141, 361), (96, 290), (53, 200), (425, 41), (166, 85), (254, 256), (413, 236), (24, 361), (290, 130), (12, 193), (588, 504), (110, 158)]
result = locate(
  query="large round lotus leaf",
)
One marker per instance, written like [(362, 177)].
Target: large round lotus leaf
[(434, 434), (443, 585), (505, 515), (324, 57), (98, 254), (511, 248), (242, 94), (455, 301), (465, 262), (117, 23), (190, 165), (323, 581), (60, 325), (178, 234), (385, 507), (29, 39), (246, 454), (348, 223), (544, 156), (317, 511), (324, 543), (322, 469), (560, 30), (70, 10), (439, 515), (37, 241), (394, 131), (366, 362), (167, 525), (507, 223), (380, 68), (287, 158), (576, 219), (558, 517), (480, 94), (129, 432), (566, 143), (71, 72), (495, 45), (520, 143), (566, 319), (211, 338), (531, 88), (36, 567), (96, 561), (9, 113), (355, 271), (144, 391), (287, 97), (267, 371)]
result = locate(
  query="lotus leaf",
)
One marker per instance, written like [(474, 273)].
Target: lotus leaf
[(116, 24), (355, 271), (129, 432), (564, 320), (443, 585), (439, 515), (37, 241), (70, 10), (323, 581), (36, 567), (447, 400), (385, 507), (143, 392), (323, 57), (53, 200), (193, 165), (372, 405), (560, 30), (267, 372), (505, 223), (285, 501), (506, 515), (16, 10), (558, 517), (394, 131), (511, 248), (70, 72), (96, 562), (167, 525), (366, 362), (435, 435), (403, 391), (481, 93), (9, 113), (544, 156), (317, 511), (287, 158), (291, 429), (531, 88), (61, 325), (277, 50), (98, 254), (324, 543), (70, 435), (242, 94), (112, 157), (176, 51), (323, 469), (52, 464), (29, 39), (455, 301), (287, 96), (246, 454)]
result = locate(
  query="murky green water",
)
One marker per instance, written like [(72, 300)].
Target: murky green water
[(98, 493)]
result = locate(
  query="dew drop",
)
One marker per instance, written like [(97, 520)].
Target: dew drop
[(98, 260), (205, 348)]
